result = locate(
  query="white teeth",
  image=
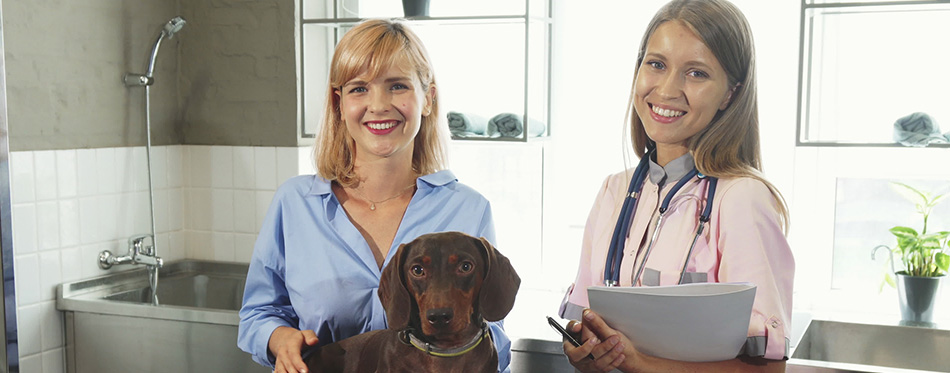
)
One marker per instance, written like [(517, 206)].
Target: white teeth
[(668, 113), (381, 126)]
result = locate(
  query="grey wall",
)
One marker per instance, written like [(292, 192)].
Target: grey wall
[(228, 78), (238, 73)]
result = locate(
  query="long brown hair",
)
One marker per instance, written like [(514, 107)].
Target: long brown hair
[(729, 146), (373, 46)]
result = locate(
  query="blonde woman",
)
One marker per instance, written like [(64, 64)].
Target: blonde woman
[(316, 266), (694, 124)]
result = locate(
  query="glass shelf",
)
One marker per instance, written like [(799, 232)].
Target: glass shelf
[(509, 74)]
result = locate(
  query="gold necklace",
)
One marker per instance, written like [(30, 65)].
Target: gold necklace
[(372, 204)]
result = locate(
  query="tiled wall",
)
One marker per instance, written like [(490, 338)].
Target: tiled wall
[(68, 205)]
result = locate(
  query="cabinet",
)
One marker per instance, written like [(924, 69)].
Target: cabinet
[(490, 57)]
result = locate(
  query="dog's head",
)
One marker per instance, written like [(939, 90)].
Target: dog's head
[(446, 282)]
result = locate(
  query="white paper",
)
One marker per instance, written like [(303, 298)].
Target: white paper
[(690, 322)]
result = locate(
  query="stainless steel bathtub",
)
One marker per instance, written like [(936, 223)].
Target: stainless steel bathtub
[(111, 327)]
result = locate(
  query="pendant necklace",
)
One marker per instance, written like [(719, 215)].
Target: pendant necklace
[(372, 204)]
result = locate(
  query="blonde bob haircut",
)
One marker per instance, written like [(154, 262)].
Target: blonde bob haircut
[(729, 146), (372, 47)]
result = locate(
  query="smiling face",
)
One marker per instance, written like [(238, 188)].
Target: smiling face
[(679, 88), (383, 113)]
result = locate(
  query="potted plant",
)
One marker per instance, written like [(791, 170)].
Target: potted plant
[(924, 257)]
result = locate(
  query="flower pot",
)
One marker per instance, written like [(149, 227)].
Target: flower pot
[(415, 8), (917, 297)]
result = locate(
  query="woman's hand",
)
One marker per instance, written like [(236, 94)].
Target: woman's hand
[(286, 343), (596, 354)]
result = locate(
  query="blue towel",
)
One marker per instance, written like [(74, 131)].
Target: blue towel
[(462, 124), (510, 125), (918, 130)]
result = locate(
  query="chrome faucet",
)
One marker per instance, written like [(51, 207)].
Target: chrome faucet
[(139, 253)]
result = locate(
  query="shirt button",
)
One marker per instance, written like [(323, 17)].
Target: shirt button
[(774, 324)]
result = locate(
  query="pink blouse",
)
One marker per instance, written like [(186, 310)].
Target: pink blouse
[(744, 242)]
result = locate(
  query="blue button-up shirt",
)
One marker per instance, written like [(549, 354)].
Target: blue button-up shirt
[(313, 270)]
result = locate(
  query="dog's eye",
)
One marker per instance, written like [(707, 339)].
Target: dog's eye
[(466, 267), (417, 270)]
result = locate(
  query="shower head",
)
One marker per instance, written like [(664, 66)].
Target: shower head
[(169, 30), (173, 26)]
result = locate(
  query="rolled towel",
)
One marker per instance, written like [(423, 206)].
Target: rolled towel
[(917, 129), (461, 124), (509, 125)]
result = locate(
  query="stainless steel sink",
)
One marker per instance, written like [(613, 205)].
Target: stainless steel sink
[(111, 326), (868, 347)]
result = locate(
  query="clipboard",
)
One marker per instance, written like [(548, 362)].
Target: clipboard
[(691, 322)]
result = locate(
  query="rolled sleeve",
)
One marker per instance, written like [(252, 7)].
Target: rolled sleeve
[(754, 249)]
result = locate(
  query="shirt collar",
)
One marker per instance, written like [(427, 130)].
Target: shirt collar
[(674, 170), (321, 186)]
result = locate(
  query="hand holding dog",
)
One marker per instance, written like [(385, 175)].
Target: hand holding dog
[(609, 347), (286, 343)]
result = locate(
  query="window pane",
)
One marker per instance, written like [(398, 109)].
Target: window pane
[(866, 68)]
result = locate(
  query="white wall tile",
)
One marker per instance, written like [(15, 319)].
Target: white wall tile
[(223, 246), (66, 178), (305, 164), (87, 175), (44, 170), (107, 213), (51, 274), (89, 223), (24, 228), (29, 318), (69, 222), (287, 164), (125, 169), (174, 166), (176, 245), (198, 214), (105, 169), (245, 215), (31, 363), (244, 247), (198, 245), (176, 206), (161, 210), (51, 325), (199, 166), (244, 175), (139, 169), (222, 210), (71, 264), (27, 270), (54, 361), (22, 179), (263, 203), (265, 168), (47, 225), (222, 167), (141, 214), (159, 159)]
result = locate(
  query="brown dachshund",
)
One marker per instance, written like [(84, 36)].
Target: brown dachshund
[(438, 291)]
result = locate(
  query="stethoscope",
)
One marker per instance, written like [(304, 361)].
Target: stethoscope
[(615, 251)]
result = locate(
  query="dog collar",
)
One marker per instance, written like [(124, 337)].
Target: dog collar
[(447, 352)]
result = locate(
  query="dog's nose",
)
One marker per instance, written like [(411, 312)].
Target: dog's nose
[(439, 316)]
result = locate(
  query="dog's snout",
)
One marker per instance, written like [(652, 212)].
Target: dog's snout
[(440, 316)]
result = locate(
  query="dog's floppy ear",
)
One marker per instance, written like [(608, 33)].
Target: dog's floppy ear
[(501, 283), (393, 293)]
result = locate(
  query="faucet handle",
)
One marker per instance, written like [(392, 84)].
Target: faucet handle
[(137, 244)]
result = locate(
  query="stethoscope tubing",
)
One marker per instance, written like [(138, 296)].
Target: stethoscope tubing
[(615, 251)]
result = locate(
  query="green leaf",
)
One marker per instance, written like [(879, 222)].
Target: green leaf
[(889, 279), (904, 232), (943, 261), (910, 193)]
